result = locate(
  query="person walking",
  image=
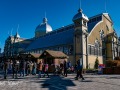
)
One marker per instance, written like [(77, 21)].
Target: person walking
[(61, 68), (22, 68), (79, 70), (27, 68), (57, 69), (13, 69), (69, 64), (34, 68), (16, 68), (5, 69), (10, 67), (31, 67), (40, 68), (65, 68), (46, 70)]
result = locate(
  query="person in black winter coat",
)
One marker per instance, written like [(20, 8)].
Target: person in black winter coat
[(65, 68), (79, 70)]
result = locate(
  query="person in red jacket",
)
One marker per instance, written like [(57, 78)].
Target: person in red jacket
[(46, 70)]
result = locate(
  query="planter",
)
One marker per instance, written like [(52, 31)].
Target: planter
[(116, 70), (107, 70)]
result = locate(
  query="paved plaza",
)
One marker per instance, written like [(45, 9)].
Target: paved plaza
[(91, 82)]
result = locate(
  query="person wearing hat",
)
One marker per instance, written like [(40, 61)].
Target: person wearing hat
[(5, 69)]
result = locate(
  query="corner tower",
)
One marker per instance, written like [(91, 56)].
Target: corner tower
[(80, 38)]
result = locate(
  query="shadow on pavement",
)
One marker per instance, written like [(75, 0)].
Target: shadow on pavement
[(86, 81), (113, 78), (107, 83), (57, 83)]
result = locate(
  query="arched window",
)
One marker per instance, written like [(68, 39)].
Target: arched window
[(101, 34), (97, 45), (92, 50), (89, 49)]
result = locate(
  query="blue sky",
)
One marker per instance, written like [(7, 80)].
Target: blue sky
[(29, 13)]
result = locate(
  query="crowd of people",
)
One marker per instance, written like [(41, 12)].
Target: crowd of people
[(22, 68), (19, 67)]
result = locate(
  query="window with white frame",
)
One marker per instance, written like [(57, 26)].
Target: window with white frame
[(92, 50), (97, 45), (89, 49), (101, 34)]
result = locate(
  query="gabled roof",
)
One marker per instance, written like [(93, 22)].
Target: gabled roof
[(35, 55), (53, 54), (93, 24), (108, 17), (31, 55), (93, 21)]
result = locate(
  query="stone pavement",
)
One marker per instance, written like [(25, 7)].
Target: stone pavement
[(91, 82)]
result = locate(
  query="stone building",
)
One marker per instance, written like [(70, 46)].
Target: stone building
[(15, 44), (85, 39)]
